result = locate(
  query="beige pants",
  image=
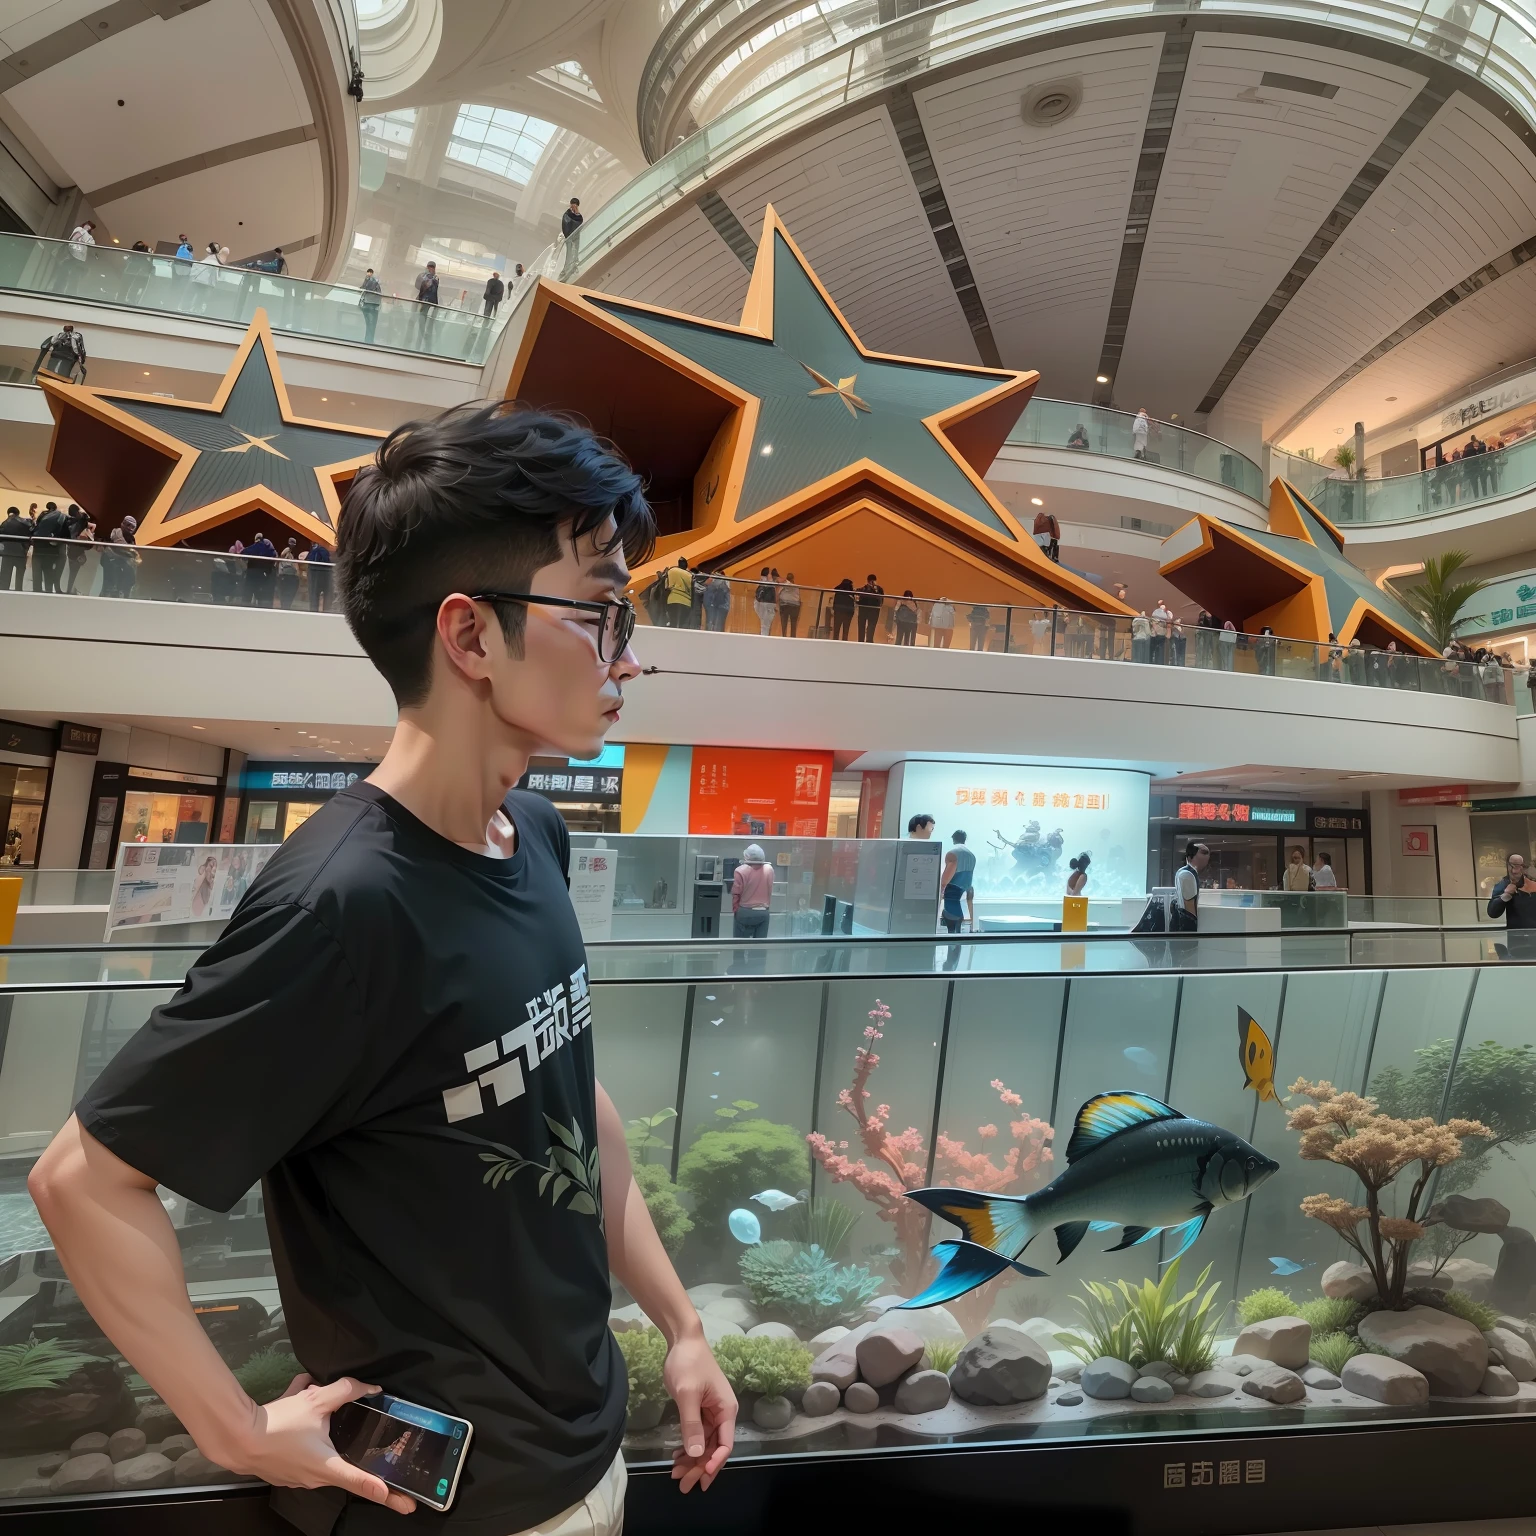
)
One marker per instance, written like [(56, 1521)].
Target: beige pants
[(601, 1513)]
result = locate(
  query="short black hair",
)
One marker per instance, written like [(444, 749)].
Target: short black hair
[(1191, 849), (922, 819), (477, 498), (957, 837)]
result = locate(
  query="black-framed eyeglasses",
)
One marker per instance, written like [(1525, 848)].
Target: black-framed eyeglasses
[(618, 617)]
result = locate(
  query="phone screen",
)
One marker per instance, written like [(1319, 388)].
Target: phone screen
[(414, 1449)]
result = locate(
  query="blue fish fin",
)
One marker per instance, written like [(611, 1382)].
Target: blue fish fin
[(1133, 1235), (1107, 1114), (966, 1265), (1102, 1226), (1068, 1235), (1190, 1230), (998, 1222)]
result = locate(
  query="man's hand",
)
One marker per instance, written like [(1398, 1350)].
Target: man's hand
[(1507, 894), (288, 1443), (706, 1407)]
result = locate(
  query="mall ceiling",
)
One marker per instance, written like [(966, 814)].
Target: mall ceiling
[(1260, 234)]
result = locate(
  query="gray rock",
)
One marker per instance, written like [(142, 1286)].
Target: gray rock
[(157, 1421), (1385, 1380), (1043, 1329), (827, 1337), (1275, 1384), (49, 1464), (837, 1365), (90, 1445), (174, 1447), (628, 1319), (1469, 1275), (149, 1470), (772, 1412), (1211, 1384), (1520, 1328), (32, 1488), (729, 1310), (1514, 1353), (194, 1469), (716, 1328), (1239, 1365), (125, 1444), (639, 1419), (1449, 1351), (708, 1293), (1422, 1275), (1069, 1399), (1464, 1213), (1515, 1279), (1497, 1382), (1179, 1384), (1053, 1383), (1283, 1341), (1159, 1368), (861, 1398), (931, 1324), (1151, 1389), (923, 1392), (1108, 1378), (772, 1331), (1001, 1365), (821, 1398), (886, 1354), (1349, 1281), (1320, 1378), (885, 1303), (87, 1473), (1065, 1365)]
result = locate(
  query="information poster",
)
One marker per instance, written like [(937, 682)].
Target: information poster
[(592, 872), (181, 882), (759, 792)]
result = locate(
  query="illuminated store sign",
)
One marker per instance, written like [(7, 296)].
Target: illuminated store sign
[(1239, 813), (329, 776)]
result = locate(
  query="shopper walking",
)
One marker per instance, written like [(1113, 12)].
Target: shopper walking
[(1141, 638), (1297, 876), (61, 354), (871, 600), (717, 602), (941, 624), (789, 606), (751, 894), (1323, 877), (957, 885), (679, 594), (495, 291), (418, 916), (843, 604), (765, 602)]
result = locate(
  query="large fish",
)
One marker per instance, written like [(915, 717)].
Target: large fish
[(1133, 1162)]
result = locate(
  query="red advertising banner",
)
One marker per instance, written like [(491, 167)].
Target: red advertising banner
[(1434, 794), (759, 792)]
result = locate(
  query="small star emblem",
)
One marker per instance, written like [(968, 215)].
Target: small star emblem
[(843, 389), (264, 443)]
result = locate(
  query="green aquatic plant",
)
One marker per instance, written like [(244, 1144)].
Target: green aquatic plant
[(39, 1363), (1194, 1346), (725, 1165), (1107, 1329), (943, 1353), (1478, 1313), (1144, 1323), (735, 1109), (671, 1221), (826, 1222), (641, 1135), (1333, 1350), (1328, 1314), (267, 1374), (804, 1287), (1267, 1302), (645, 1354), (768, 1367)]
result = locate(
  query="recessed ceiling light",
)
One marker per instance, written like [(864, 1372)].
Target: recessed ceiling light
[(1035, 501), (199, 727), (146, 373), (1102, 378), (767, 449), (324, 398)]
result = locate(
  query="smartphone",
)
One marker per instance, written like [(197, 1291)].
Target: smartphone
[(416, 1450)]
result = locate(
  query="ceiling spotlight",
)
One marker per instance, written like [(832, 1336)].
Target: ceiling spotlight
[(1102, 378), (1035, 501), (146, 373), (767, 449)]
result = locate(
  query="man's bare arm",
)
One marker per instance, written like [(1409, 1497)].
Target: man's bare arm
[(119, 1249), (706, 1405)]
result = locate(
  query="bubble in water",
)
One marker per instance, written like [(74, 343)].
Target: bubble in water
[(745, 1227)]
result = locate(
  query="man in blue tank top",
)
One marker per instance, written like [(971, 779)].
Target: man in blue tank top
[(959, 868)]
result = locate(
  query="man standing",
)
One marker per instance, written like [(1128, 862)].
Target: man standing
[(571, 220), (1297, 876), (955, 882), (1140, 427), (260, 571), (1323, 877), (1184, 909), (48, 557), (400, 1000), (871, 600), (370, 300), (1513, 898), (318, 565), (426, 296), (60, 354), (1162, 617), (15, 539), (920, 826), (495, 291), (81, 238), (679, 594)]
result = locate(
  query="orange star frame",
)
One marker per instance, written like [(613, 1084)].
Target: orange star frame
[(691, 432), (115, 464)]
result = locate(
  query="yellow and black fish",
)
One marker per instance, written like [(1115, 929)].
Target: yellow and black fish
[(1257, 1056)]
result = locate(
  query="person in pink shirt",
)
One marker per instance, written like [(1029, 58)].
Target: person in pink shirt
[(752, 894)]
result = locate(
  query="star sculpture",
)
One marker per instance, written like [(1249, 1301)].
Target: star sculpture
[(181, 467), (1294, 577), (783, 440)]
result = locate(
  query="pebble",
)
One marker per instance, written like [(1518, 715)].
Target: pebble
[(1109, 1378), (1211, 1384), (125, 1444), (1151, 1389), (923, 1392), (1275, 1384), (1499, 1382), (860, 1397), (821, 1398), (90, 1472), (1158, 1368), (772, 1412), (173, 1447), (1320, 1378), (150, 1470), (1069, 1399), (90, 1445), (1180, 1384)]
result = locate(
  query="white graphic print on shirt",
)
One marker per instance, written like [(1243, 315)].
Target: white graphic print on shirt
[(554, 1015)]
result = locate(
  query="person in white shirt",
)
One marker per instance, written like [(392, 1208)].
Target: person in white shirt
[(1141, 638), (79, 239), (204, 275), (1162, 616), (1322, 873), (1040, 630), (941, 624), (1184, 910), (1139, 430)]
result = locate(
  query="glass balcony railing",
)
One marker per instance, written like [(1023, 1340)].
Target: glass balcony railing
[(733, 606), (733, 1081), (1450, 488), (329, 311), (1097, 430)]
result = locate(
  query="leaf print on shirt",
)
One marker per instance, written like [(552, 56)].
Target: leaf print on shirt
[(571, 1165)]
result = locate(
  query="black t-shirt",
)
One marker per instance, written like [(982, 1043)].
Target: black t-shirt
[(393, 1033)]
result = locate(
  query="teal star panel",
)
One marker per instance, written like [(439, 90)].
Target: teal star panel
[(807, 427), (249, 444)]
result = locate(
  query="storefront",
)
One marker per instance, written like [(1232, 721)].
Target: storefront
[(1499, 414), (588, 794), (278, 798), (1503, 617), (1251, 840), (26, 765), (145, 805), (1500, 828)]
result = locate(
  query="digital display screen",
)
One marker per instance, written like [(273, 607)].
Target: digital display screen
[(407, 1446), (1025, 823)]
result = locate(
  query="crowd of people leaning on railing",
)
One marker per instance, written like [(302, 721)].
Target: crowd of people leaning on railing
[(52, 547)]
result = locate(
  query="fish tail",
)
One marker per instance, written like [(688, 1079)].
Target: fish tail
[(1003, 1223), (966, 1266)]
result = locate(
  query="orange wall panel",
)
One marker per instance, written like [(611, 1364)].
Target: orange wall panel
[(759, 791)]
